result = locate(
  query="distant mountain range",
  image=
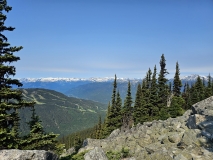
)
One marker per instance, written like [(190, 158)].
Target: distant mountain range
[(59, 113), (97, 89)]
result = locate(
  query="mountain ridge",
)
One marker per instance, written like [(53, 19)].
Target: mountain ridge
[(99, 79), (96, 89)]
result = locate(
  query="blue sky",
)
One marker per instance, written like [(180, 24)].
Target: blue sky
[(100, 38)]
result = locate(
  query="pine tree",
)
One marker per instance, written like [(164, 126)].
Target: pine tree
[(127, 109), (114, 92), (176, 106), (77, 142), (99, 128), (118, 111), (162, 89), (38, 139), (199, 89), (208, 89), (107, 122), (194, 95), (137, 115), (186, 96), (10, 99), (177, 82), (113, 120), (154, 96)]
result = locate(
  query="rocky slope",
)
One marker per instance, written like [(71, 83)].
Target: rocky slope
[(15, 154), (188, 137)]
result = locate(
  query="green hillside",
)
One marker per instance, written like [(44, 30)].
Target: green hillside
[(59, 113)]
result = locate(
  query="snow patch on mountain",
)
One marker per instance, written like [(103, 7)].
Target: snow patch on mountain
[(93, 79), (194, 77)]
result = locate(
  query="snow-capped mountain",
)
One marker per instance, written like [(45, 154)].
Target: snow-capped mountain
[(50, 79), (97, 89), (193, 77)]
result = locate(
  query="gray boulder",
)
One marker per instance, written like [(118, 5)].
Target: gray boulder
[(95, 154), (15, 154)]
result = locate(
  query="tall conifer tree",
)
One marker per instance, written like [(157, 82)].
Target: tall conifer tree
[(138, 106), (162, 80), (118, 111), (163, 89), (208, 89), (127, 109), (10, 99), (154, 95), (177, 82)]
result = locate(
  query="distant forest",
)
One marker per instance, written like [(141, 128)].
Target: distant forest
[(155, 99)]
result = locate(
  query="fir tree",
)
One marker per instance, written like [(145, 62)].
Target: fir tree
[(162, 89), (194, 94), (114, 92), (199, 89), (118, 111), (127, 109), (176, 106), (177, 82), (208, 89), (138, 107), (186, 96), (99, 128), (37, 139), (106, 126), (154, 96), (77, 142), (114, 114), (10, 99)]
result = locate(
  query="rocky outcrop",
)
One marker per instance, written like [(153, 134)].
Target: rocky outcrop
[(95, 154), (183, 138), (15, 154), (68, 152)]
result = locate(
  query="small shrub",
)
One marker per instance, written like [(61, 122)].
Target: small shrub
[(112, 155)]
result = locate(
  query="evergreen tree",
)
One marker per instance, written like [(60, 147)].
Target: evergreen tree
[(138, 110), (208, 89), (154, 96), (177, 82), (37, 139), (186, 96), (199, 89), (127, 109), (99, 128), (118, 111), (148, 78), (106, 126), (10, 99), (77, 142), (176, 106), (114, 92), (162, 89), (114, 114)]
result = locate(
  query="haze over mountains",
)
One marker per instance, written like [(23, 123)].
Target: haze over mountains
[(96, 89)]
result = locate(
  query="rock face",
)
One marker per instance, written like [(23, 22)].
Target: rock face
[(95, 154), (15, 154), (183, 138)]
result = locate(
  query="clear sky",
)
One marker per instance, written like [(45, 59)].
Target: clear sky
[(100, 38)]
